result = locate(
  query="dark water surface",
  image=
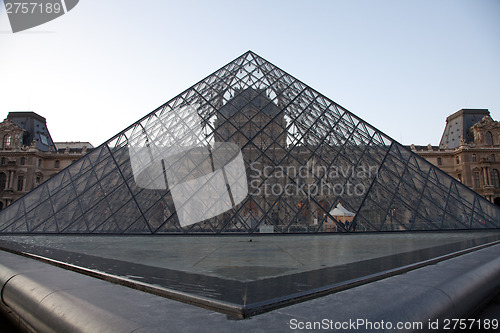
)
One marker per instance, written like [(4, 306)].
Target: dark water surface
[(242, 275)]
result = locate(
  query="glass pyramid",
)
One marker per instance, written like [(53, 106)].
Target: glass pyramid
[(249, 149)]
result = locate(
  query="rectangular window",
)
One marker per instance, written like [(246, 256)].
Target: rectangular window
[(476, 179), (495, 178), (440, 161), (44, 140), (3, 181), (20, 183), (473, 157)]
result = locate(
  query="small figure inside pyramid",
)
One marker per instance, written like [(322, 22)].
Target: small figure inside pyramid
[(249, 149)]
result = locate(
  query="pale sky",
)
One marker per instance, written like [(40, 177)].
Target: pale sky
[(402, 66)]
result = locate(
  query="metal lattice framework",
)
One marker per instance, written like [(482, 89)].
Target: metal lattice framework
[(305, 158)]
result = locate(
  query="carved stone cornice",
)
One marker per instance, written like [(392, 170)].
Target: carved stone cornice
[(487, 123), (9, 125)]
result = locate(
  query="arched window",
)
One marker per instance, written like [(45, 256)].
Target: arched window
[(3, 180), (57, 164), (23, 161), (489, 138), (7, 140), (492, 157), (495, 179)]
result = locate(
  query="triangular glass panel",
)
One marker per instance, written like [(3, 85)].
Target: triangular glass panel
[(29, 201), (18, 226), (77, 226), (140, 226), (49, 226), (39, 216), (62, 198), (66, 216)]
